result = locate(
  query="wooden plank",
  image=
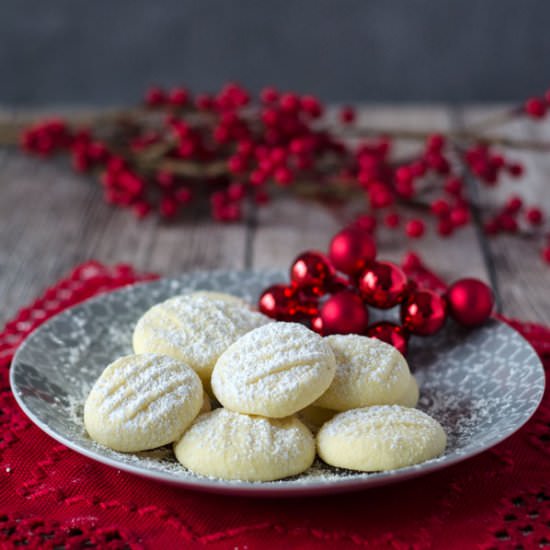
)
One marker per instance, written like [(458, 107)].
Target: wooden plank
[(51, 219), (287, 227), (523, 277)]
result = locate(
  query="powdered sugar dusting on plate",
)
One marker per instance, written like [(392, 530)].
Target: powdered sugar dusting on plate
[(480, 385)]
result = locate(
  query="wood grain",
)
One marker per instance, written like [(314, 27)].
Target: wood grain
[(523, 278), (51, 219)]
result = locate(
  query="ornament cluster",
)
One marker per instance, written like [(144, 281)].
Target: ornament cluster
[(333, 293)]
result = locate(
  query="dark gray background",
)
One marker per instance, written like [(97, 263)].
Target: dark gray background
[(85, 51)]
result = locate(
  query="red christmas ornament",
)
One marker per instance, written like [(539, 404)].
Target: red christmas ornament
[(312, 270), (351, 250), (344, 313), (279, 302), (470, 302), (307, 302), (383, 285), (390, 333), (423, 313)]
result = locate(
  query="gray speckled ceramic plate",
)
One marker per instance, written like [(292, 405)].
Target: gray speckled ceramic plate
[(482, 385)]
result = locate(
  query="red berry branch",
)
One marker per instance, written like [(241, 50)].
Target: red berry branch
[(178, 148)]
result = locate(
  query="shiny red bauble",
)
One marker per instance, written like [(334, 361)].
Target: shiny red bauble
[(279, 302), (351, 250), (470, 302), (343, 313), (307, 302), (312, 270), (423, 313), (383, 285), (390, 333)]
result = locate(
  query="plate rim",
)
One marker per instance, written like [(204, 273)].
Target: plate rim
[(281, 488)]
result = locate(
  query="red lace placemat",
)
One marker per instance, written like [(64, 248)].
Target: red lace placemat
[(51, 497)]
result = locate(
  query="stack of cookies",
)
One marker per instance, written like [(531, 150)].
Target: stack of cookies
[(273, 384)]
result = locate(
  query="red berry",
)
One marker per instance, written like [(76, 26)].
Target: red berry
[(270, 117), (491, 227), (283, 176), (366, 223), (454, 186), (347, 115), (311, 106), (437, 162), (535, 107), (415, 229), (445, 227), (418, 168), (236, 191), (165, 179), (515, 169), (155, 96), (546, 254), (460, 216), (257, 177), (183, 195), (178, 97), (278, 155), (237, 164), (534, 215), (513, 205), (180, 128), (141, 209), (289, 102), (221, 134), (435, 142), (269, 95), (231, 212), (81, 162), (391, 220), (405, 188), (411, 261), (508, 223), (168, 207), (261, 197), (379, 196), (404, 174), (440, 207), (186, 149), (204, 102), (245, 147)]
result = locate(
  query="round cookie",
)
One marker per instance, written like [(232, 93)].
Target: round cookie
[(142, 402), (228, 445), (410, 397), (368, 372), (274, 370), (195, 329), (380, 438)]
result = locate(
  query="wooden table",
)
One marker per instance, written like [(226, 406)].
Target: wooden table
[(52, 219)]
